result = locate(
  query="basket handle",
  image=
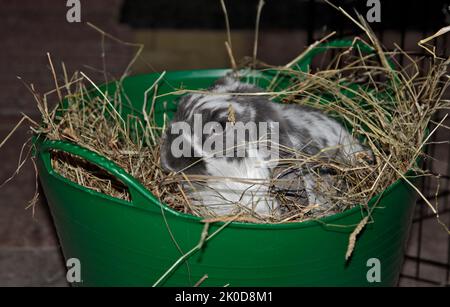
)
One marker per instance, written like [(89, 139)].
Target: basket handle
[(140, 196), (304, 61)]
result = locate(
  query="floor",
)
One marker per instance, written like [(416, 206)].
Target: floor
[(29, 250)]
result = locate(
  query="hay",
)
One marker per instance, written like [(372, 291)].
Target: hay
[(389, 110)]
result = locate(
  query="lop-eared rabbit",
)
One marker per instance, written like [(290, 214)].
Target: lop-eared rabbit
[(246, 174)]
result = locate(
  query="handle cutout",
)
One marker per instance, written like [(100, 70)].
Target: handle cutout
[(88, 175)]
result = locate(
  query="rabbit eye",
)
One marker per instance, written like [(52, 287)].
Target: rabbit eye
[(216, 127), (223, 123)]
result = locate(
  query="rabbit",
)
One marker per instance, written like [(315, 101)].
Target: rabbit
[(243, 175)]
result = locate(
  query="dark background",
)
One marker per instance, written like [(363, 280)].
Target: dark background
[(284, 14), (179, 35)]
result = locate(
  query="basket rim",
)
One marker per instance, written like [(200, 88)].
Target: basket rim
[(323, 221), (40, 142)]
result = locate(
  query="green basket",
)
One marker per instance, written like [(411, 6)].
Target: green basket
[(122, 243)]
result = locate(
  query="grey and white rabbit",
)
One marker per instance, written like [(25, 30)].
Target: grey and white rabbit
[(245, 182)]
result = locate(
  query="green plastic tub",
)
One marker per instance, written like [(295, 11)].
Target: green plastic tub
[(122, 243)]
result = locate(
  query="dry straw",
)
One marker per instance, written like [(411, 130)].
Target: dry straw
[(386, 104)]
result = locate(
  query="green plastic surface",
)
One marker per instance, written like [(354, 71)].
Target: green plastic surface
[(122, 243)]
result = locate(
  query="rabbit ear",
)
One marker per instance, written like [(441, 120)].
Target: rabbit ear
[(231, 83), (224, 81), (227, 80)]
